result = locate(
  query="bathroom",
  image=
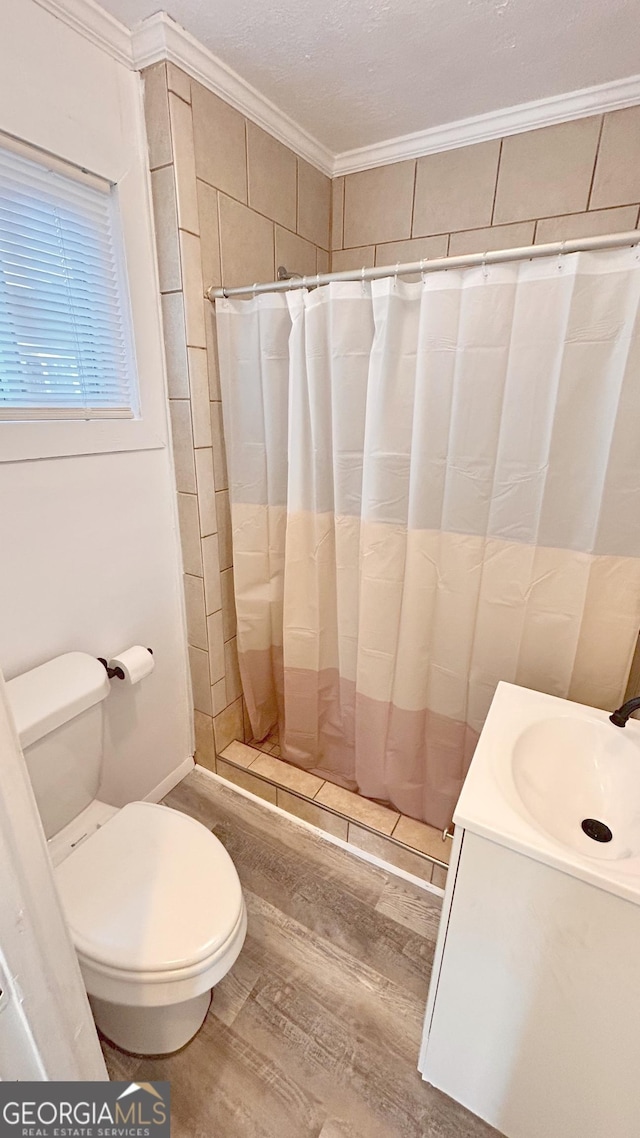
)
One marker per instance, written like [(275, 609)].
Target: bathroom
[(209, 546)]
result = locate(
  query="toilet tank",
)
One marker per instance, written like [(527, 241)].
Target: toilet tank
[(57, 709)]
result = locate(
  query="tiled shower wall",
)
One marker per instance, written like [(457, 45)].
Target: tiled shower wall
[(231, 203), (575, 179)]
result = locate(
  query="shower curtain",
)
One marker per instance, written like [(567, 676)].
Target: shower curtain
[(434, 486)]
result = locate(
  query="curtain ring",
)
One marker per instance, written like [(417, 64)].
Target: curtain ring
[(395, 275), (225, 293), (422, 272), (561, 255), (485, 274), (362, 281)]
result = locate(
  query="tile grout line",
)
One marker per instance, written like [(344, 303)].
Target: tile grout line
[(501, 225), (329, 809), (495, 188), (413, 198), (595, 164)]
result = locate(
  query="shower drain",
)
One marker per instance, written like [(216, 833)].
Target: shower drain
[(596, 830)]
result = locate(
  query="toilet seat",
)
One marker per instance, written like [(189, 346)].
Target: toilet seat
[(151, 897)]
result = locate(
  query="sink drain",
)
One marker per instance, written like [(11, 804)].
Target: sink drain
[(596, 830)]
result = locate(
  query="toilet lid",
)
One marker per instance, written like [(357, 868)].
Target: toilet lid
[(151, 890)]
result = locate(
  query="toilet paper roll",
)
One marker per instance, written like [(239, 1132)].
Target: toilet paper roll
[(136, 663)]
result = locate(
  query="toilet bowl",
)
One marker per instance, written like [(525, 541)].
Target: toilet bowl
[(156, 913), (152, 899)]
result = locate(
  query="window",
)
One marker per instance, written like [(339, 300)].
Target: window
[(65, 347)]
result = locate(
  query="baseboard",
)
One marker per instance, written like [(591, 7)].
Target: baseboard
[(168, 783), (334, 841)]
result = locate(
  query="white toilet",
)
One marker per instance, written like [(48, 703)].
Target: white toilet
[(152, 898)]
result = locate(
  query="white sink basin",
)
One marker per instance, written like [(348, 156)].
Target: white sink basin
[(579, 779), (552, 779)]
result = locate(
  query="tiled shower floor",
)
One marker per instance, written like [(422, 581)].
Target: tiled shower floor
[(315, 1031), (402, 841)]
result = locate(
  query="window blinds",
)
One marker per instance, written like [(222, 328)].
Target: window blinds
[(64, 342)]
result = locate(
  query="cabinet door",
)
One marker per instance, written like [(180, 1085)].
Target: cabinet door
[(536, 1019)]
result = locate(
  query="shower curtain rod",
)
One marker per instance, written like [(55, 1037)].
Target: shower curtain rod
[(526, 252)]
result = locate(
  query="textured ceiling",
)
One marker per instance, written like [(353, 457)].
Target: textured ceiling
[(357, 72)]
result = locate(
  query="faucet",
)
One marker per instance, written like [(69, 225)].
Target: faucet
[(620, 716)]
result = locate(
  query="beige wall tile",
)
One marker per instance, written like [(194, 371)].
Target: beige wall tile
[(286, 775), (546, 172), (211, 566), (590, 224), (455, 189), (240, 754), (323, 261), (228, 725), (388, 851), (190, 534), (246, 780), (229, 621), (199, 664), (232, 670), (175, 345), (246, 244), (156, 111), (209, 233), (439, 877), (199, 392), (179, 82), (496, 237), (182, 436), (296, 254), (184, 162), (337, 212), (206, 491), (344, 259), (272, 177), (193, 289), (378, 204), (225, 543), (617, 177), (166, 227), (420, 249), (425, 839), (219, 697), (194, 604), (310, 812), (216, 647), (220, 475), (314, 204), (205, 749), (219, 141), (361, 809), (212, 352), (248, 733)]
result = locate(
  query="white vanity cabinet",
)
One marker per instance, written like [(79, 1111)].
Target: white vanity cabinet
[(533, 1018)]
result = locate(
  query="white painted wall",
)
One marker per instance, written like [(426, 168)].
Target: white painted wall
[(90, 555)]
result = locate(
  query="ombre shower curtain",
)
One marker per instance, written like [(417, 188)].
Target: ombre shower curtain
[(434, 487)]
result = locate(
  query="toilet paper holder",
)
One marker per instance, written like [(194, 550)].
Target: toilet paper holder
[(115, 673)]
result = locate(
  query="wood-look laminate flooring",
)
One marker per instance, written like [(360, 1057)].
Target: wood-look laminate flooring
[(315, 1032)]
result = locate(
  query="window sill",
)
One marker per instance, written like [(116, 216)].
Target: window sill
[(26, 440)]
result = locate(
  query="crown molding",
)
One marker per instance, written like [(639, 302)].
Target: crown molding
[(159, 37), (95, 24), (496, 124)]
